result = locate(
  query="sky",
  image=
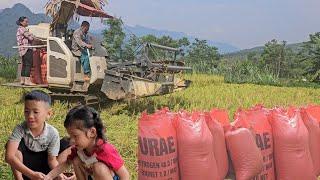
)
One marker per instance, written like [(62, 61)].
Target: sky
[(242, 23)]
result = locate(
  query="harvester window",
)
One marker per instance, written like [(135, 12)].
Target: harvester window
[(54, 46)]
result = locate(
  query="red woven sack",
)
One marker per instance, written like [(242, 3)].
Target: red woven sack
[(245, 155), (219, 144), (196, 156), (158, 153), (312, 125), (256, 119), (291, 145)]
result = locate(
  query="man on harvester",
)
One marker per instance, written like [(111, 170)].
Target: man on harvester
[(80, 47)]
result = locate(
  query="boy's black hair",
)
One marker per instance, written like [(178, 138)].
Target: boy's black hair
[(85, 117), (38, 95), (85, 23)]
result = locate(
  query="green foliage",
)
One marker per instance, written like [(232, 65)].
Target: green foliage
[(246, 72), (292, 67), (281, 60), (273, 57), (277, 64), (202, 57), (130, 48), (257, 51), (120, 49), (310, 57), (166, 41), (114, 38), (8, 67)]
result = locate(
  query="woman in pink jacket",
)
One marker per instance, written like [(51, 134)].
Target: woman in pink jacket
[(24, 39)]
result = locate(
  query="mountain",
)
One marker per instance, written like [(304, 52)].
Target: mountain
[(242, 54), (8, 26), (142, 31)]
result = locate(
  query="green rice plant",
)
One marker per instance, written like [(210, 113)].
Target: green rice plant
[(8, 67)]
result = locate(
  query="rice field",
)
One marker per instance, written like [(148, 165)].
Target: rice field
[(120, 118)]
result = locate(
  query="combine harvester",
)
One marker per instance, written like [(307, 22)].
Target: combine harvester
[(62, 74)]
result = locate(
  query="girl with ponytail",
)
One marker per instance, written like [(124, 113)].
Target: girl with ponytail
[(91, 155)]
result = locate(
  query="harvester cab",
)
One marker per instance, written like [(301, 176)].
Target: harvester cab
[(60, 71)]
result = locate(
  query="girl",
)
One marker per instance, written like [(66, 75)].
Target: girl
[(91, 155)]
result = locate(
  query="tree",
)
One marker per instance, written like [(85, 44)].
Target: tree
[(166, 41), (130, 48), (253, 56), (114, 38), (310, 57), (120, 48), (202, 57), (274, 57)]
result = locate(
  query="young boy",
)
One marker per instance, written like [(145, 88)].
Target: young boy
[(33, 146)]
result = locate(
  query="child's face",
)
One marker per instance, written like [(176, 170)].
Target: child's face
[(36, 113), (82, 139)]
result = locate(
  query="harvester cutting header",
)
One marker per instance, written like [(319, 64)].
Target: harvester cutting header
[(59, 69)]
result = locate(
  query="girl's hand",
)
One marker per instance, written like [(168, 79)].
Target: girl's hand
[(73, 177), (62, 177), (38, 176), (47, 178)]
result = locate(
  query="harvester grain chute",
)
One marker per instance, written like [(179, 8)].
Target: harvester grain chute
[(64, 77)]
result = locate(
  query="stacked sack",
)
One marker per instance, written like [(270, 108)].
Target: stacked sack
[(198, 142), (311, 118), (292, 156), (261, 144), (312, 124), (158, 152), (256, 120), (216, 120), (245, 155), (195, 147)]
